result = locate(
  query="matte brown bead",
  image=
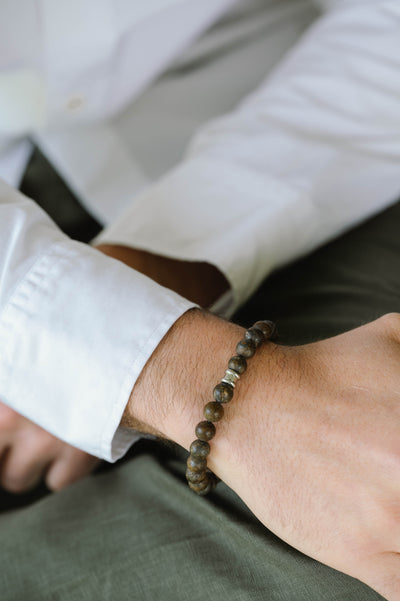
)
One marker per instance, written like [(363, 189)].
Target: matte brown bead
[(206, 490), (213, 411), (268, 328), (201, 487), (205, 430), (195, 477), (223, 393), (238, 364), (200, 448), (246, 348), (212, 483), (196, 464), (255, 335)]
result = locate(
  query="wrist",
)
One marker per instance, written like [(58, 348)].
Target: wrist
[(180, 375), (178, 380)]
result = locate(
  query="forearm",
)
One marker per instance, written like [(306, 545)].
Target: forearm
[(178, 380), (179, 377)]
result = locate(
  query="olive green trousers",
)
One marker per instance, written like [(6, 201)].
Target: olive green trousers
[(135, 531)]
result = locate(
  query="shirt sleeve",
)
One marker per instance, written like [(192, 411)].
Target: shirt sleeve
[(76, 329), (310, 153)]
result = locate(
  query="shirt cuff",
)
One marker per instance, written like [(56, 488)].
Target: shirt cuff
[(75, 335), (238, 218)]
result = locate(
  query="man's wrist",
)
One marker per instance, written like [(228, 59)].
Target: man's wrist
[(178, 380)]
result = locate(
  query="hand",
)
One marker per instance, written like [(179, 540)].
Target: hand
[(199, 282), (320, 461), (310, 442), (29, 454)]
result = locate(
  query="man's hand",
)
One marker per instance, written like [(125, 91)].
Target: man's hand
[(310, 442), (29, 454), (320, 460), (199, 282)]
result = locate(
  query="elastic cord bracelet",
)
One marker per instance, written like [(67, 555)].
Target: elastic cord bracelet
[(201, 479)]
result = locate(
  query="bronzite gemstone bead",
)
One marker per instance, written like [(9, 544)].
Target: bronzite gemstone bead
[(213, 411), (202, 487), (268, 328), (255, 335), (212, 483), (205, 430), (196, 464), (200, 479), (200, 448), (238, 364), (195, 477), (246, 348), (206, 490), (223, 393)]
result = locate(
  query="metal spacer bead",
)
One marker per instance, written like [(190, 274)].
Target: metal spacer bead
[(230, 377)]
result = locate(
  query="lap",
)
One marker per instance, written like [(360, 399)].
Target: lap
[(138, 532)]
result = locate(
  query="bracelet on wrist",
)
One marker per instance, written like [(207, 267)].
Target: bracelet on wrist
[(201, 479)]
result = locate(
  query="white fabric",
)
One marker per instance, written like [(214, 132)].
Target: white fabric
[(78, 61), (76, 329), (314, 150)]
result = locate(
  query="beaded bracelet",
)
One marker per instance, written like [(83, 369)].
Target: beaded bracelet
[(201, 479)]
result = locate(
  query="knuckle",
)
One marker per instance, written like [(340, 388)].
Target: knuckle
[(38, 444), (15, 484)]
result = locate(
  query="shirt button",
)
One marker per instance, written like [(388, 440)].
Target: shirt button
[(75, 103)]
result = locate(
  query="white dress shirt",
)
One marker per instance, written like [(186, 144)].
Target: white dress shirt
[(315, 149)]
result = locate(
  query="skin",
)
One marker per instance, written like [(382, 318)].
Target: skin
[(310, 441), (199, 282), (28, 453)]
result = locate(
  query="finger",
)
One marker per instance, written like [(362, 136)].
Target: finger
[(22, 470), (70, 467)]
